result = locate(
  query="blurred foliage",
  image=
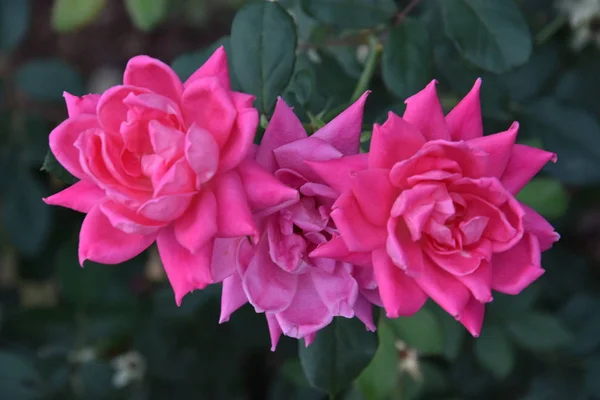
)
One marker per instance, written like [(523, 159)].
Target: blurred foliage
[(64, 328)]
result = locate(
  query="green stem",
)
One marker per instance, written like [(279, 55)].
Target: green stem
[(367, 74), (549, 30)]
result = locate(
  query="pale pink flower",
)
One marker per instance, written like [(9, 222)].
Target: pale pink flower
[(165, 161), (298, 294), (435, 208)]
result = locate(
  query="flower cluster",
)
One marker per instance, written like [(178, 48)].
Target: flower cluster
[(304, 228)]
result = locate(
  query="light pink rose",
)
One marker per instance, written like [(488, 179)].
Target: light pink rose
[(299, 294), (161, 160), (435, 208)]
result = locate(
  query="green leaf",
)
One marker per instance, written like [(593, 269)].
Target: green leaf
[(146, 14), (338, 354), (26, 219), (421, 331), (350, 14), (571, 132), (47, 79), (19, 379), (407, 59), (97, 381), (454, 332), (591, 381), (380, 378), (263, 44), (53, 167), (495, 352), (491, 34), (545, 195), (68, 15), (292, 371), (528, 80), (539, 332), (14, 21)]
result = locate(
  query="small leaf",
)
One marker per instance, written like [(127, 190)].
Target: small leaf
[(263, 44), (14, 21), (146, 14), (407, 59), (68, 15), (454, 332), (545, 195), (491, 34), (421, 331), (47, 79), (350, 14), (292, 371), (19, 379), (495, 352), (338, 354), (539, 332), (53, 167)]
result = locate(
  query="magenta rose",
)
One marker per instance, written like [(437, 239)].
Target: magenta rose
[(436, 209)]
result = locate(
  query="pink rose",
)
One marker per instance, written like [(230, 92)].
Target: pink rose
[(159, 159), (299, 294), (435, 208)]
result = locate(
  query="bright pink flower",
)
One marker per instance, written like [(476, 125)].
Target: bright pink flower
[(435, 208), (163, 160), (299, 294)]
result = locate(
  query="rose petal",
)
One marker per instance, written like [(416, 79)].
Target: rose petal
[(518, 267), (338, 291), (499, 148), (336, 248), (166, 208), (464, 121), (127, 220), (82, 197), (337, 173), (154, 75), (215, 66), (364, 311), (472, 316), (524, 163), (375, 194), (274, 330), (232, 297), (424, 111), (202, 153), (233, 213), (112, 111), (394, 141), (166, 141), (536, 224), (240, 141), (404, 253), (85, 104), (294, 155), (198, 224), (479, 282)]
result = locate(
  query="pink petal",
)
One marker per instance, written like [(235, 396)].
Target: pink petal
[(499, 147), (178, 179), (62, 140), (127, 220), (81, 196), (464, 121), (536, 224), (358, 233), (202, 153), (394, 141), (232, 297), (472, 316), (233, 213), (274, 330), (112, 111), (208, 105), (154, 75), (294, 155), (85, 104), (215, 66), (230, 256), (400, 294), (375, 194), (166, 208), (166, 141), (338, 291), (337, 173), (284, 127), (242, 100), (286, 251), (517, 268), (336, 249), (268, 287), (479, 282), (343, 132), (100, 242), (265, 193), (364, 311), (524, 163), (443, 288), (240, 141), (186, 271), (404, 253), (198, 225), (308, 339), (424, 111)]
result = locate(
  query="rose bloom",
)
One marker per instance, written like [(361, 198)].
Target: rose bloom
[(161, 160), (299, 294), (435, 207)]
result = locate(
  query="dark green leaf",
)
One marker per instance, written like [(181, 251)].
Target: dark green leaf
[(454, 332), (421, 331), (579, 86), (47, 79), (146, 14), (292, 370), (97, 380), (529, 80), (539, 332), (492, 34), (263, 44), (407, 59), (591, 381), (495, 352), (545, 195), (26, 219), (19, 380), (14, 21), (68, 15), (338, 354), (573, 134), (432, 382), (53, 167), (302, 86), (350, 14)]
